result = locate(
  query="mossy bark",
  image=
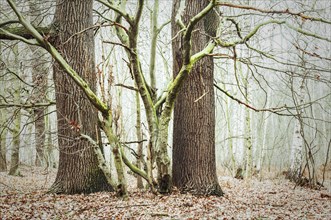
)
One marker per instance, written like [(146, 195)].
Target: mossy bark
[(78, 170), (194, 166), (3, 128), (139, 161)]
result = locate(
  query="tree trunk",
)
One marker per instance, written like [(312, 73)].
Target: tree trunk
[(194, 166), (140, 164), (3, 128), (39, 118), (78, 170), (154, 28), (229, 134), (262, 134), (48, 144), (39, 78), (296, 154), (3, 148), (16, 127), (15, 150), (248, 133), (248, 145)]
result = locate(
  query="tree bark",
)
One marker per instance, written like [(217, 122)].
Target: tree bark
[(296, 154), (140, 164), (40, 136), (3, 147), (39, 78), (78, 170), (16, 126), (15, 150), (3, 128), (194, 166), (230, 135), (248, 133)]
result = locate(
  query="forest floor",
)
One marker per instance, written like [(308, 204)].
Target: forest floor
[(26, 198)]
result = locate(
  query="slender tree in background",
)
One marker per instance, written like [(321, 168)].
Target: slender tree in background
[(39, 79), (301, 157), (139, 135), (298, 141), (16, 126), (3, 142), (248, 134), (301, 154), (3, 116), (230, 135), (194, 165), (155, 33), (78, 170)]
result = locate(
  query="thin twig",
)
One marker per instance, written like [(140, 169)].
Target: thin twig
[(326, 161), (286, 11), (135, 205), (128, 87), (201, 96), (133, 142), (273, 110)]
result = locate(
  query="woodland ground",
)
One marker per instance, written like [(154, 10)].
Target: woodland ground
[(26, 198)]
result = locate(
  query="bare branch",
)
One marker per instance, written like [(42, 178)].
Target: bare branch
[(307, 33), (22, 32), (120, 44), (95, 27), (128, 87), (286, 11), (273, 110), (8, 22), (134, 142), (32, 105), (110, 5), (139, 12), (63, 63), (101, 159), (249, 35), (162, 26), (10, 36)]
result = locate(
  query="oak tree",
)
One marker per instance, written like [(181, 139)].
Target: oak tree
[(194, 165)]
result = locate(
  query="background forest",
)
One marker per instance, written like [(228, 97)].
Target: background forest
[(209, 98)]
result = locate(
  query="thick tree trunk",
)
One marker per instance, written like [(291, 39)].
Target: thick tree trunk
[(78, 170), (194, 166)]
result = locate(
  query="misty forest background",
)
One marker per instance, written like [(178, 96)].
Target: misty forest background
[(272, 92)]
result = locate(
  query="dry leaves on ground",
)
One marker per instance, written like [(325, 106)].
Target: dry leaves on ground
[(26, 198)]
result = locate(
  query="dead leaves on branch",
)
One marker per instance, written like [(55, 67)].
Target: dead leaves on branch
[(26, 198)]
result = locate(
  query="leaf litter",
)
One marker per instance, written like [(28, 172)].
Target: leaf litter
[(27, 198)]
